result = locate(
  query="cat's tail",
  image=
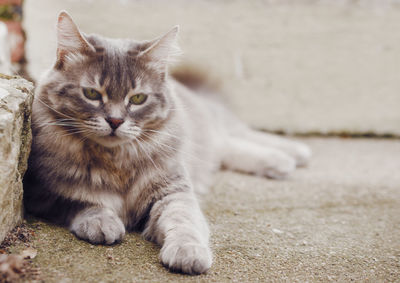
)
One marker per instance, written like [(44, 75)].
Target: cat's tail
[(196, 78)]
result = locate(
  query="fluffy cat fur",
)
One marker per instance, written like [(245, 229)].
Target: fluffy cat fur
[(103, 178)]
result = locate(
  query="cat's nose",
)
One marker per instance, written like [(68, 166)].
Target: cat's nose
[(114, 122)]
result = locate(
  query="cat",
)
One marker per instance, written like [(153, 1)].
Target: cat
[(119, 145)]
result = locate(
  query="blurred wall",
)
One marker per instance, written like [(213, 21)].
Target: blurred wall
[(294, 66)]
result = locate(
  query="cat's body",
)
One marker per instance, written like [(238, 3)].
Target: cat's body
[(131, 154)]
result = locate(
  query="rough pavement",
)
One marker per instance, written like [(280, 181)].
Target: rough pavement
[(336, 220)]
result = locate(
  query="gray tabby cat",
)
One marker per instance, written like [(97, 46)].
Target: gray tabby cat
[(119, 145)]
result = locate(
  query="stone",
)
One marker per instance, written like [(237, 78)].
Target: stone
[(16, 98)]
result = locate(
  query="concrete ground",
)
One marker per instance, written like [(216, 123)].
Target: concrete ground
[(336, 220)]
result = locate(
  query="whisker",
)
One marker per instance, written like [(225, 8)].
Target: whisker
[(57, 124), (177, 150), (41, 101), (147, 154), (172, 136), (159, 171), (60, 135), (85, 137)]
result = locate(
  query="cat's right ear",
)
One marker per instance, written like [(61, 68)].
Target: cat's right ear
[(70, 41)]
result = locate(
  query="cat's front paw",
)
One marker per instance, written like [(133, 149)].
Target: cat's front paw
[(188, 258), (98, 226)]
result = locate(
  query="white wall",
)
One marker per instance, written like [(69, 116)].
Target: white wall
[(297, 66)]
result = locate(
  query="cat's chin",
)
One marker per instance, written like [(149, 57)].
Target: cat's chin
[(110, 141)]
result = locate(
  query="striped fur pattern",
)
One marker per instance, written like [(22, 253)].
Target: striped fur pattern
[(143, 175)]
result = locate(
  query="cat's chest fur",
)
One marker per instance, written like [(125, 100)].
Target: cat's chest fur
[(111, 170), (83, 170), (116, 178)]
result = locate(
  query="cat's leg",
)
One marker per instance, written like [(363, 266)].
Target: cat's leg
[(98, 225), (299, 151), (246, 156), (178, 225), (87, 221)]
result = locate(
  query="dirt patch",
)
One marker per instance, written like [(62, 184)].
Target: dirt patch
[(20, 234), (18, 267)]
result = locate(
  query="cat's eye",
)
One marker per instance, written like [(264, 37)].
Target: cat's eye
[(92, 94), (138, 99)]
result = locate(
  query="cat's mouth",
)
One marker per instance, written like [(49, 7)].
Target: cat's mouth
[(113, 134), (110, 140), (112, 137)]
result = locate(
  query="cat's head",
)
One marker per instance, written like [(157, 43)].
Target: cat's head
[(108, 90)]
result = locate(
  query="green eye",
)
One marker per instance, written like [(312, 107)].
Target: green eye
[(92, 94), (138, 99)]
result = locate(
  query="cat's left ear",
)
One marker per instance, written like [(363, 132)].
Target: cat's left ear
[(162, 50), (69, 39)]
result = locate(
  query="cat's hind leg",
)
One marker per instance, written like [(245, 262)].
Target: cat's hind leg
[(246, 156), (299, 151)]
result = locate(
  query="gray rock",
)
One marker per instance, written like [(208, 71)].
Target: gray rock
[(15, 139)]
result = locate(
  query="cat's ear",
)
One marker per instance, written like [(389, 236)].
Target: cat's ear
[(69, 39), (162, 50)]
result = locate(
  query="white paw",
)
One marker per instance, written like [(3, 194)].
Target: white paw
[(186, 257), (299, 151), (98, 226), (302, 154), (279, 165)]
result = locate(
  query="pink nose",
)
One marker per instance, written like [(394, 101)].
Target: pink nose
[(114, 122)]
